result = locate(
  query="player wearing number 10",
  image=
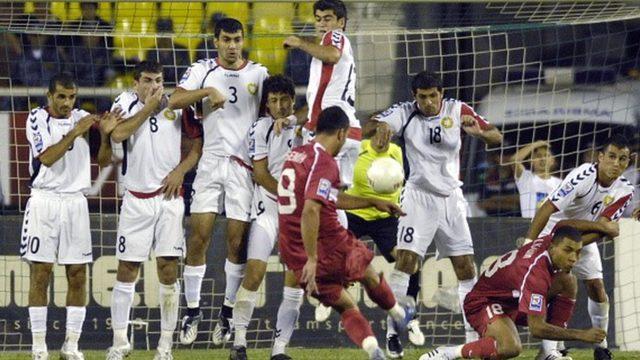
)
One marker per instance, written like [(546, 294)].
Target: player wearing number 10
[(431, 129), (230, 88)]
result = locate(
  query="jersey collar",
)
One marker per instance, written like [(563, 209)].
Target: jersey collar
[(429, 118), (246, 61)]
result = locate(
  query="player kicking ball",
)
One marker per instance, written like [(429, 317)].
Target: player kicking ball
[(323, 255), (531, 286)]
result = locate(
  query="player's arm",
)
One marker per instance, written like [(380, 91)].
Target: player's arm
[(263, 177), (181, 98), (172, 183), (309, 224), (125, 129), (325, 53), (350, 202), (592, 230), (108, 123), (522, 154), (475, 125), (540, 219), (56, 151), (539, 328)]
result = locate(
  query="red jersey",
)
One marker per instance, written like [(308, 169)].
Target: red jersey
[(309, 172), (519, 280)]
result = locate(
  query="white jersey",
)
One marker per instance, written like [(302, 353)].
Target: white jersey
[(333, 84), (225, 129), (581, 197), (153, 150), (264, 143), (533, 191), (431, 143), (72, 172)]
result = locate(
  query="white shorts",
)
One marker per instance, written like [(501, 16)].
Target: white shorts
[(56, 229), (264, 228), (434, 218), (222, 185), (346, 158), (150, 224), (589, 265)]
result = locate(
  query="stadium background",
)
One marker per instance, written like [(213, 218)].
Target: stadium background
[(561, 71)]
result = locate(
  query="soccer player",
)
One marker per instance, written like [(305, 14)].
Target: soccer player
[(230, 88), (431, 128), (324, 256), (535, 184), (531, 286), (56, 218), (595, 192), (332, 78), (152, 207), (267, 151), (379, 225)]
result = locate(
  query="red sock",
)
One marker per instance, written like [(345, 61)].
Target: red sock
[(356, 326), (382, 295), (486, 347), (560, 310)]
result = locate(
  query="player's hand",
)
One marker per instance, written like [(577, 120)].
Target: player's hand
[(282, 123), (110, 120), (309, 276), (84, 125), (380, 140), (636, 213), (172, 184), (292, 42), (388, 206), (593, 335), (216, 99), (155, 97), (611, 229), (471, 125)]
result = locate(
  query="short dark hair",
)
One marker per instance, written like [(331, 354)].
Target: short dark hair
[(336, 5), (331, 120), (566, 232), (228, 25), (426, 80), (63, 79), (278, 84), (149, 66), (617, 140)]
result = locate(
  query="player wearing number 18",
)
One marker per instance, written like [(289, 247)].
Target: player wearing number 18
[(430, 127)]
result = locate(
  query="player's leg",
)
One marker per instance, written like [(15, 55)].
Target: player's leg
[(121, 303), (169, 297), (562, 300), (380, 293), (76, 310), (465, 270), (288, 312), (40, 276)]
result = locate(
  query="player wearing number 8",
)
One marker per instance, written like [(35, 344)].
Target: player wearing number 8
[(430, 128), (531, 286)]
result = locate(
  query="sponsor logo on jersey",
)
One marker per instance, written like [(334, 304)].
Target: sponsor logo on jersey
[(37, 140), (324, 188), (565, 190), (169, 114), (607, 200), (185, 76), (536, 302), (252, 88), (446, 122)]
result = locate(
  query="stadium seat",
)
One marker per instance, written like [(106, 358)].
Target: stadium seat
[(187, 20), (238, 10), (273, 10), (267, 49), (105, 11), (305, 13), (134, 18), (59, 10)]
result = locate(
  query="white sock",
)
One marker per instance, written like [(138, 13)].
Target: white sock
[(38, 320), (548, 346), (464, 287), (370, 344), (193, 276), (397, 312), (169, 296), (233, 274), (121, 302), (242, 312), (75, 319), (399, 283), (599, 313), (288, 313)]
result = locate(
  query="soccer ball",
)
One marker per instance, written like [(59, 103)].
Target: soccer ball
[(385, 175)]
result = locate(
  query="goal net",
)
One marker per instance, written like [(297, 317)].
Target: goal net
[(564, 72)]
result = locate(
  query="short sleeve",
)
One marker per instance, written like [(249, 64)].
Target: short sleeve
[(335, 39), (468, 110), (320, 182), (193, 76), (576, 183), (38, 134), (395, 116), (123, 102), (191, 127), (533, 299), (524, 181), (614, 211)]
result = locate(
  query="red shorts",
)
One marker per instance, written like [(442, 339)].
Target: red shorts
[(336, 270), (481, 311)]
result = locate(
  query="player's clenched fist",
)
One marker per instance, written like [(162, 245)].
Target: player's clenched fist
[(593, 335), (84, 125), (292, 42), (110, 120), (216, 98), (155, 97), (382, 137)]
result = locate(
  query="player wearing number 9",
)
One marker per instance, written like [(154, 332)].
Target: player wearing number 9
[(531, 286)]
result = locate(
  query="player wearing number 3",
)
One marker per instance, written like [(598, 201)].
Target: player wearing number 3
[(430, 127)]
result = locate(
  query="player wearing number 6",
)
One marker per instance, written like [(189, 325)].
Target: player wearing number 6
[(430, 127), (230, 88), (152, 207)]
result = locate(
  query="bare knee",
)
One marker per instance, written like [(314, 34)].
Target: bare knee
[(508, 348), (406, 261), (254, 274), (167, 270), (199, 239), (127, 271), (371, 278), (596, 291), (40, 276), (464, 267), (236, 241), (77, 276)]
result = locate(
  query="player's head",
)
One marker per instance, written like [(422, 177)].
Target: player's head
[(333, 124), (613, 158), (330, 15), (542, 160), (427, 91), (61, 95), (278, 96), (229, 39), (565, 247), (147, 77)]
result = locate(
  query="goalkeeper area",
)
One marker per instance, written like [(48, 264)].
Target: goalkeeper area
[(563, 74)]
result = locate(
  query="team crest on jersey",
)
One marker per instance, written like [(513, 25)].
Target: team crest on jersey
[(37, 140), (568, 188), (607, 200), (186, 74), (446, 122), (169, 114), (252, 88), (324, 188), (536, 302)]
